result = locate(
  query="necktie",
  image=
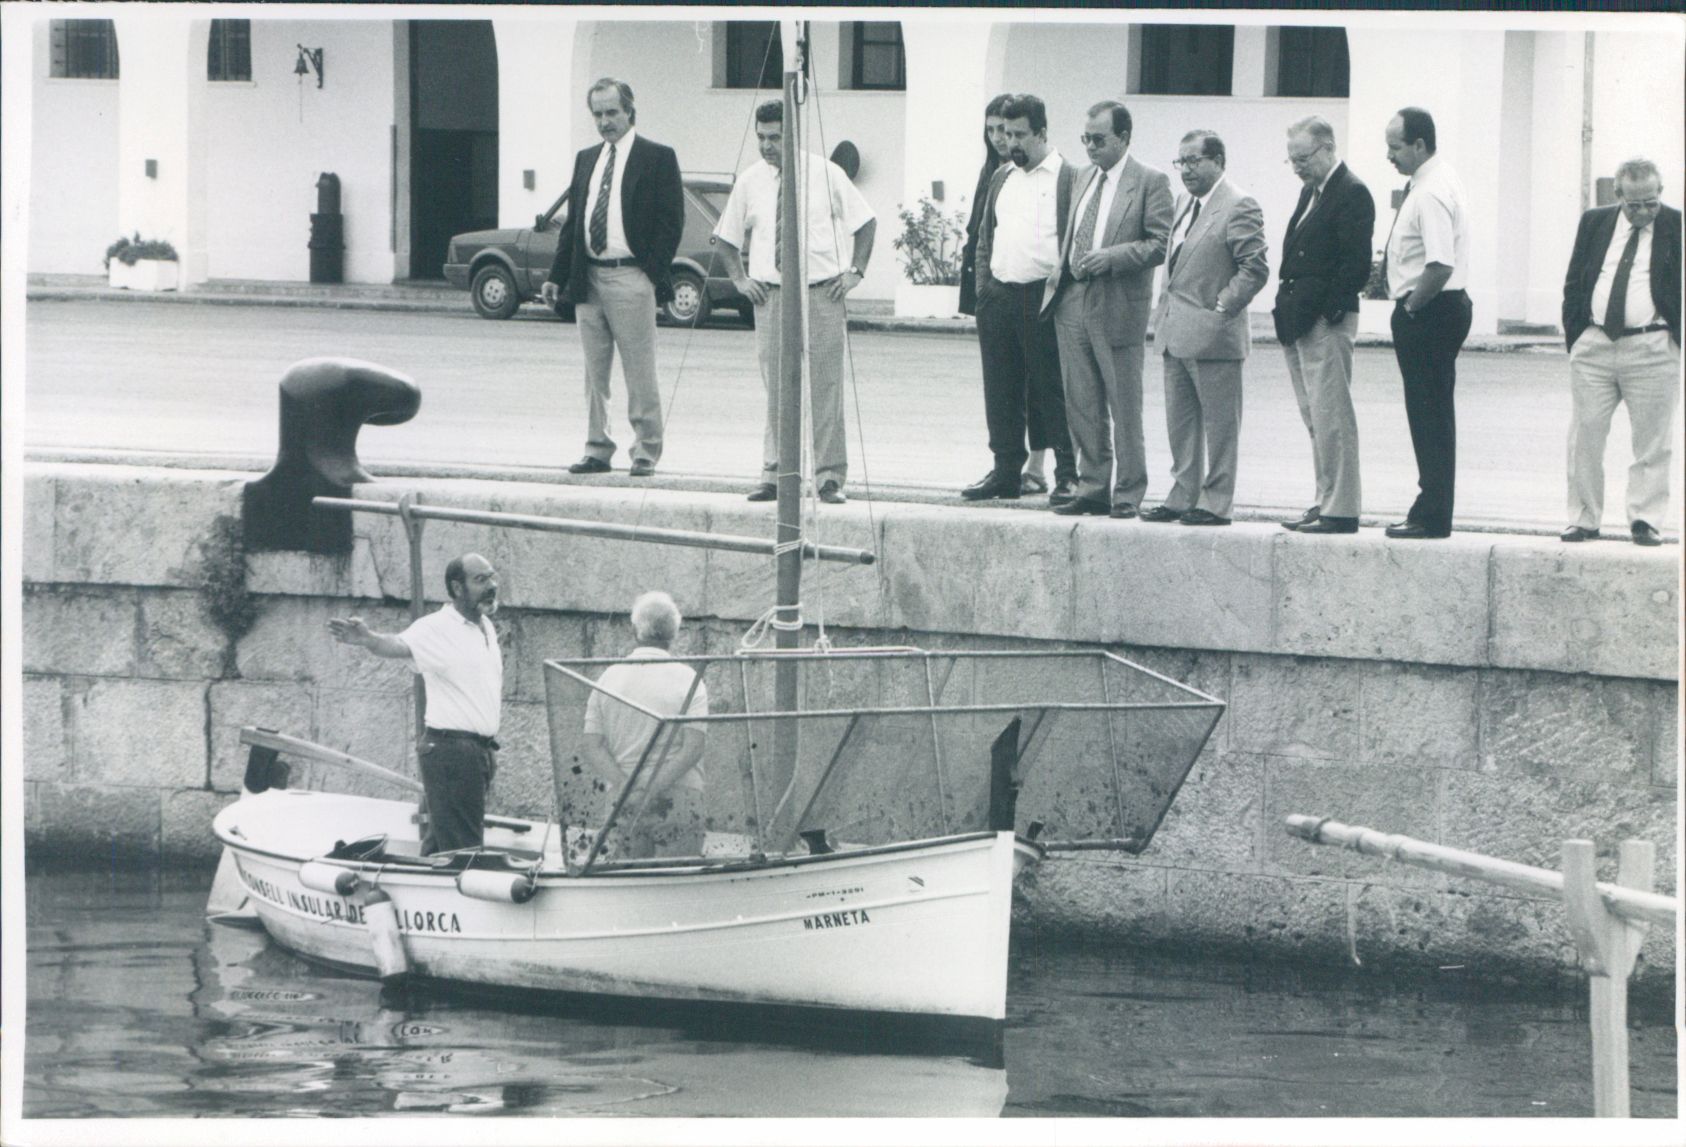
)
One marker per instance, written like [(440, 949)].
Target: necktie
[(600, 210), (1615, 317), (1085, 237), (1389, 242), (1193, 218), (778, 225)]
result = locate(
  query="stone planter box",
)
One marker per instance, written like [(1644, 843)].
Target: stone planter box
[(920, 301), (145, 274)]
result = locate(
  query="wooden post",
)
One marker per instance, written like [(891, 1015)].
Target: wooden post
[(1608, 945)]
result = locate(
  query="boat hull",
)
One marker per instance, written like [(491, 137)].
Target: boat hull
[(919, 928)]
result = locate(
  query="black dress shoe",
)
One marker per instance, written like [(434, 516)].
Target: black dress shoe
[(1079, 506), (992, 485), (766, 492), (643, 468), (1065, 492), (1410, 531), (1203, 518), (1329, 526), (1303, 520), (1645, 534), (831, 493), (589, 465), (1161, 514), (1123, 510), (1577, 534)]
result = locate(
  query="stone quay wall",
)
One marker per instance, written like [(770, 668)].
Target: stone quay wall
[(1498, 694)]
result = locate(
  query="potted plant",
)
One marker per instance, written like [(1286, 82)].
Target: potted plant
[(931, 244), (141, 264)]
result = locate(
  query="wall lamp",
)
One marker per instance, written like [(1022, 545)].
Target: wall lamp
[(309, 58)]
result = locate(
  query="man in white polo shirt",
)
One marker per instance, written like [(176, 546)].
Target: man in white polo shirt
[(456, 651), (616, 736)]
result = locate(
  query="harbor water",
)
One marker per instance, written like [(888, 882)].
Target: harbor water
[(137, 1007)]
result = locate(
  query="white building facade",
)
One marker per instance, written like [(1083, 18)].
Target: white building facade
[(209, 126)]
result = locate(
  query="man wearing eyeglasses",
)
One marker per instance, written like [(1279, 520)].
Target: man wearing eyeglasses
[(1621, 318), (1325, 264), (1102, 294), (1217, 263)]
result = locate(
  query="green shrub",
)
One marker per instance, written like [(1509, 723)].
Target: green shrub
[(131, 251), (931, 244)]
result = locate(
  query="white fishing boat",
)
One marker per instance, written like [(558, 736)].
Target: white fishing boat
[(886, 800)]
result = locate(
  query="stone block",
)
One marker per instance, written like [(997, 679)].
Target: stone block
[(95, 826), (1293, 706), (379, 727), (1593, 609), (997, 572), (1526, 818), (1209, 672), (1093, 895), (1384, 798), (1328, 591), (75, 631), (40, 497), (743, 586), (285, 707), (185, 825), (1665, 769), (1552, 723), (1478, 926), (148, 734), (297, 572), (289, 641), (1168, 586), (1216, 821), (44, 754), (1226, 909), (102, 510), (1425, 716), (535, 637), (177, 637)]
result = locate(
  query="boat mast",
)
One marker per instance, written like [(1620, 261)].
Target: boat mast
[(787, 628)]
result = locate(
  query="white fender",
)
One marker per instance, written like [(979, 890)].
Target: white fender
[(323, 877), (382, 920), (501, 887)]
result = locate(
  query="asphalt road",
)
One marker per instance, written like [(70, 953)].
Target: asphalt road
[(509, 395)]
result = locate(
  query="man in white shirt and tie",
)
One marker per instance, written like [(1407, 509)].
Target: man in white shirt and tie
[(1103, 296), (836, 210), (1621, 318), (614, 258)]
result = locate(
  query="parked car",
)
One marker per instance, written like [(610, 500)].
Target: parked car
[(504, 268)]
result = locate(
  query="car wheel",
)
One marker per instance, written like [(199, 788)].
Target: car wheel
[(493, 292), (689, 305)]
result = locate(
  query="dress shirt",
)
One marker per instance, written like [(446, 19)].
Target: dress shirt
[(752, 211), (1641, 308), (616, 247), (1432, 227), (1108, 192), (1026, 247), (1186, 221), (463, 668), (661, 686)]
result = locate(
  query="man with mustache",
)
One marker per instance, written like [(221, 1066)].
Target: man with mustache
[(1018, 253), (455, 649)]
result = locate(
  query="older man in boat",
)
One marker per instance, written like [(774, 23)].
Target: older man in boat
[(669, 794), (455, 649)]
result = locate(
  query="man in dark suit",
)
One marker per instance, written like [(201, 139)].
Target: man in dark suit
[(1325, 264), (1104, 294), (1024, 221), (1217, 263), (1621, 317), (626, 212)]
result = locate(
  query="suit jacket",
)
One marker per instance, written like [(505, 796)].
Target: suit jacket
[(1134, 236), (652, 211), (1223, 259), (1325, 255), (1592, 245), (969, 254), (986, 229)]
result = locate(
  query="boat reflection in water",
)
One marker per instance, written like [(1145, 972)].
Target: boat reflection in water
[(288, 1037)]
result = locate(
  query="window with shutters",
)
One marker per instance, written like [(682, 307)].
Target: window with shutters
[(1186, 59), (754, 55), (1311, 62), (877, 61), (84, 50), (229, 58)]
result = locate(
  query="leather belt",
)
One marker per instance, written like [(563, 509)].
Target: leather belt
[(483, 741), (612, 262), (1643, 330)]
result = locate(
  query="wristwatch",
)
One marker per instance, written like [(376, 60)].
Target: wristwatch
[(856, 271)]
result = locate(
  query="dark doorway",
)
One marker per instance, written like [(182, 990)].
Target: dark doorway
[(454, 137)]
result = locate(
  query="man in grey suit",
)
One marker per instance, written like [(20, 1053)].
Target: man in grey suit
[(1103, 292), (1216, 265)]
